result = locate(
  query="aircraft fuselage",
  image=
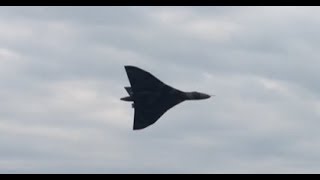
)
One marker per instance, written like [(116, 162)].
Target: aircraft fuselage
[(184, 95)]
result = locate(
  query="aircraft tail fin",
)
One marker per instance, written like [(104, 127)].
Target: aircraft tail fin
[(129, 90)]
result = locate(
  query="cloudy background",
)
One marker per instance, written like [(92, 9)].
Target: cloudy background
[(62, 74)]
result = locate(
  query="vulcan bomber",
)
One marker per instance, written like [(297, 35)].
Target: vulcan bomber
[(152, 98)]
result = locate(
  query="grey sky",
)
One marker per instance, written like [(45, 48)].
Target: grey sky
[(62, 75)]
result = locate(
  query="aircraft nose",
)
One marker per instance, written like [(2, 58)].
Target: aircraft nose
[(204, 96)]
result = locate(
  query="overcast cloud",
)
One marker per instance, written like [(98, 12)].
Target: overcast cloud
[(62, 77)]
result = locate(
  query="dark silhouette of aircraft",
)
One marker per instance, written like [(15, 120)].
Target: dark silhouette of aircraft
[(152, 98)]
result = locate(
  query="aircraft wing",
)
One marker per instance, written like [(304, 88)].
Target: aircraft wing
[(152, 97), (141, 80), (148, 112)]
